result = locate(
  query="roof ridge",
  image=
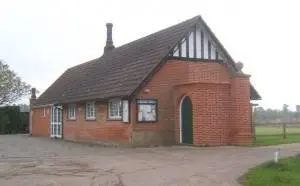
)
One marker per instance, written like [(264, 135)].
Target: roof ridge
[(169, 27), (139, 39), (90, 61)]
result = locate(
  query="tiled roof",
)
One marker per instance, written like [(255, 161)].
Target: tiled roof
[(118, 72)]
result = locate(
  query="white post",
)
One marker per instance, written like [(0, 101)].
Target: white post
[(276, 156)]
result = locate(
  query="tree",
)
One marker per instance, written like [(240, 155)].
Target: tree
[(12, 88), (24, 107), (285, 108)]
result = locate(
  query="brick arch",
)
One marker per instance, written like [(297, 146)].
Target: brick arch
[(179, 98)]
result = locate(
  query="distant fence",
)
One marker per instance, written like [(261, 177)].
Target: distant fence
[(13, 121), (281, 130)]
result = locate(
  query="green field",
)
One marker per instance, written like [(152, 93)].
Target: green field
[(284, 173), (275, 130), (272, 135)]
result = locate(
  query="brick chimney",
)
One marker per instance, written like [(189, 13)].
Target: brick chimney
[(109, 42), (33, 96)]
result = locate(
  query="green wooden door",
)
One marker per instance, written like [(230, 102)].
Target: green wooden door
[(187, 121)]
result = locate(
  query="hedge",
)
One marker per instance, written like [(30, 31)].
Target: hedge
[(13, 121)]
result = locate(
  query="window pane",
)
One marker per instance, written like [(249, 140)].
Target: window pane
[(93, 111), (90, 110), (71, 111), (58, 130), (55, 114), (86, 110), (58, 115), (115, 108), (54, 129)]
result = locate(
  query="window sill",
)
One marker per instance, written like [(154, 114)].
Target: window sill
[(114, 119), (90, 119), (147, 122), (71, 119)]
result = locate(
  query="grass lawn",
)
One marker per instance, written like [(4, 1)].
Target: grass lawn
[(284, 173), (275, 130), (275, 139), (272, 135)]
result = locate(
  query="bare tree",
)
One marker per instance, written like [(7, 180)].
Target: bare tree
[(12, 88)]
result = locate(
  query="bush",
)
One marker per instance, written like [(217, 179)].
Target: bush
[(12, 121), (24, 124), (4, 121)]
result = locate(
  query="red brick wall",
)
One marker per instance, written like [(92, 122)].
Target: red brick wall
[(221, 108), (40, 124), (164, 86), (81, 129), (100, 129), (241, 132), (209, 87), (211, 112)]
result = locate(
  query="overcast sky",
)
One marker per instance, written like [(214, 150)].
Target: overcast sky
[(40, 39)]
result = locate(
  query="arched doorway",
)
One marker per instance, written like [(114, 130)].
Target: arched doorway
[(186, 120)]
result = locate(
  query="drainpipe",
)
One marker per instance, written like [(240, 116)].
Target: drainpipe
[(32, 101)]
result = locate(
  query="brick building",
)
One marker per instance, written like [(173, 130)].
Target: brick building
[(178, 85)]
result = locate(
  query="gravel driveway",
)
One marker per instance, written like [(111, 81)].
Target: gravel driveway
[(44, 162)]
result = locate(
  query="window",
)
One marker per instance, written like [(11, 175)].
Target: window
[(90, 111), (147, 110), (115, 109), (72, 111)]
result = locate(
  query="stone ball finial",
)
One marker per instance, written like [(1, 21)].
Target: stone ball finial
[(239, 66)]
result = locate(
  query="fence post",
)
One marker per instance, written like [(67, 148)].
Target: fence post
[(253, 132), (284, 130), (286, 119)]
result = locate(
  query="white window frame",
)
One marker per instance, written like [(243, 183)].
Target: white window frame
[(90, 111), (72, 111), (146, 102), (115, 104)]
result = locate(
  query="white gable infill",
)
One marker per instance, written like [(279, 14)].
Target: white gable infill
[(199, 44)]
